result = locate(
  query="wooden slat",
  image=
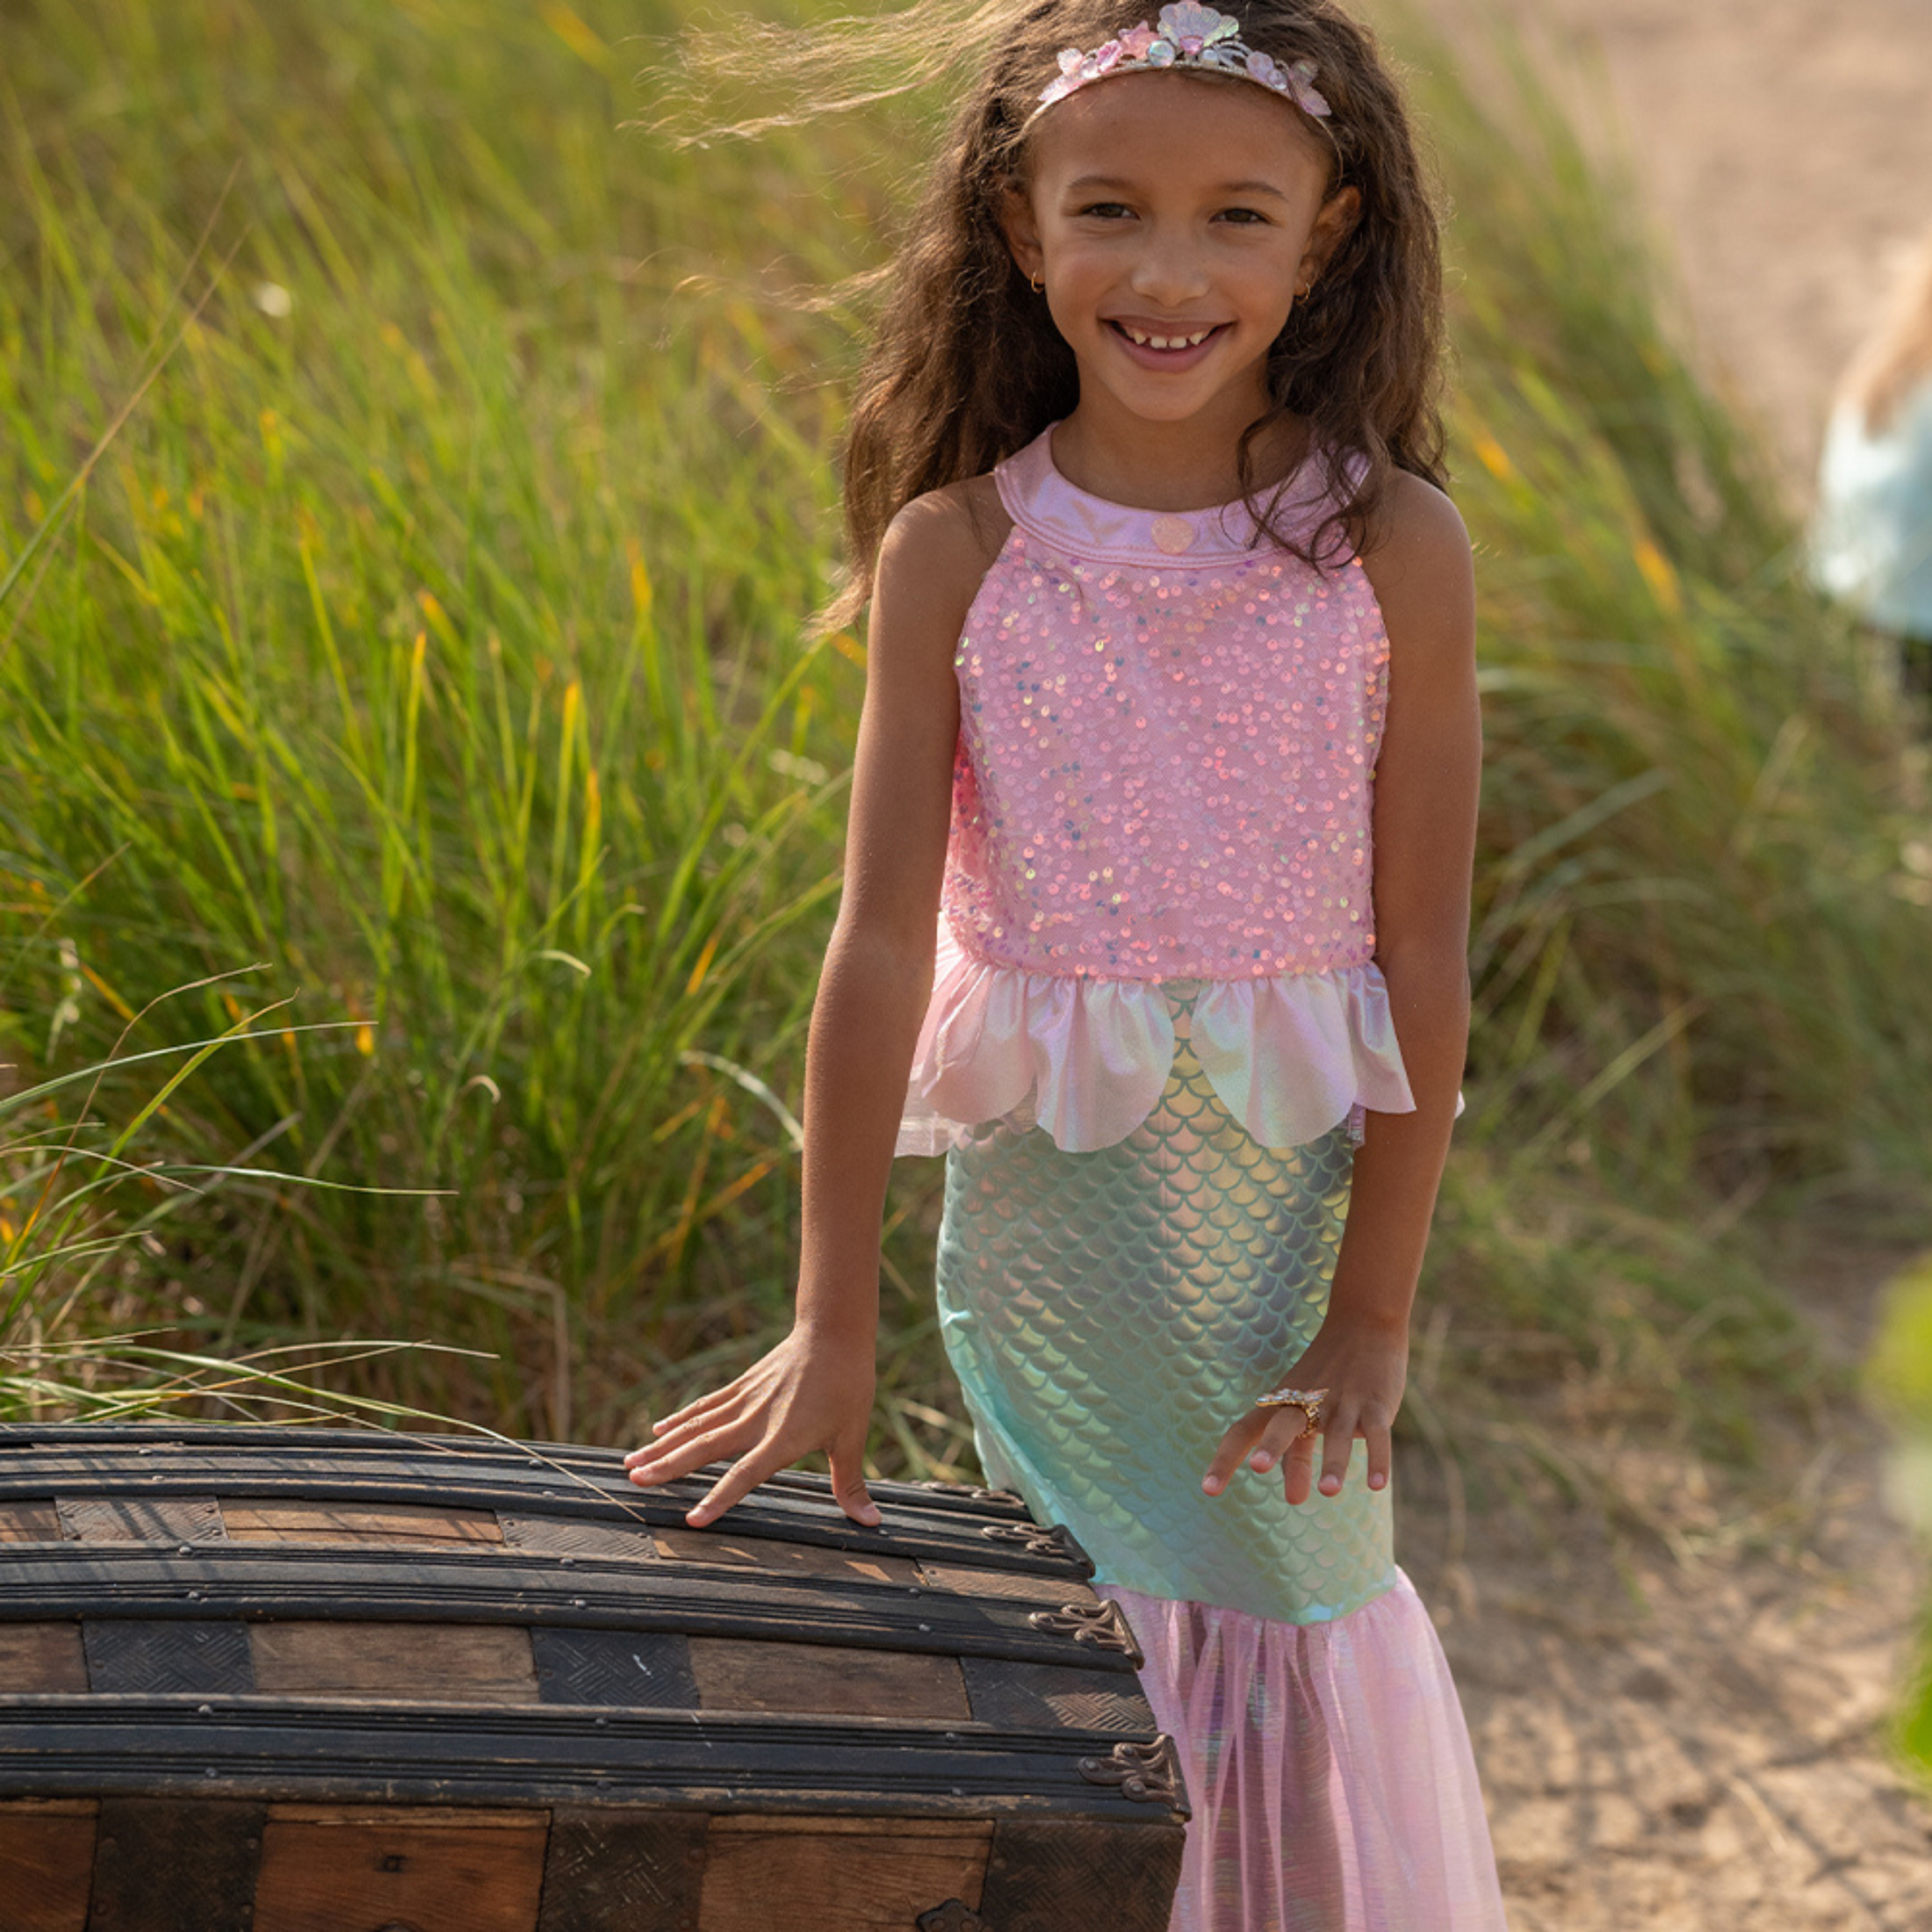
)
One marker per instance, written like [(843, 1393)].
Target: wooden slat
[(780, 1559), (840, 1874), (734, 1675), (46, 1857), (623, 1871), (350, 1869), (42, 1660), (30, 1522), (983, 1582), (52, 1582), (140, 1519), (176, 1865), (388, 1753), (386, 1523), (457, 1663)]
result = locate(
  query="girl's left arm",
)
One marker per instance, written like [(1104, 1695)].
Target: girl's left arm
[(1427, 776)]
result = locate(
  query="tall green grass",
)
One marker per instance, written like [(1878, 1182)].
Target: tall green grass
[(427, 642)]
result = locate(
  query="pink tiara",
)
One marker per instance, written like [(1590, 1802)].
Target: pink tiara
[(1190, 35)]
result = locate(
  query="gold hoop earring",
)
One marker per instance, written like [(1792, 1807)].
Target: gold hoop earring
[(1038, 287)]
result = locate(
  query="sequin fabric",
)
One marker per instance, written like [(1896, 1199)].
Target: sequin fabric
[(1109, 1315), (1167, 737)]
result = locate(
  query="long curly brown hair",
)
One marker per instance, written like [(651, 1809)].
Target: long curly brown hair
[(966, 367)]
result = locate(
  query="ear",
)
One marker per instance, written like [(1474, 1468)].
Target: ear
[(1334, 221), (1022, 231)]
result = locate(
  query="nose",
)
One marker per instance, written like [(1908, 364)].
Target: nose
[(1169, 269)]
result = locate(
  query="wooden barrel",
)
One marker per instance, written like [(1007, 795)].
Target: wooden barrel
[(277, 1680)]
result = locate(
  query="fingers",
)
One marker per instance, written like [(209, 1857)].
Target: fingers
[(737, 1481), (1341, 1427), (1234, 1446), (1381, 1454), (1297, 1467), (695, 1411), (676, 1455), (1285, 1428), (848, 1483), (1337, 1448), (644, 1464), (695, 1455)]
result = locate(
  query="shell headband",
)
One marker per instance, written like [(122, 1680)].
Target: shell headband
[(1189, 36)]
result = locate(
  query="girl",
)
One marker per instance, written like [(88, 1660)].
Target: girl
[(1172, 629)]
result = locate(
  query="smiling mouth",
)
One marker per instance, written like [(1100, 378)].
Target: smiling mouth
[(1168, 339)]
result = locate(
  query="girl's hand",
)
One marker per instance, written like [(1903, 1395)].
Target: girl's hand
[(1363, 1369), (808, 1394)]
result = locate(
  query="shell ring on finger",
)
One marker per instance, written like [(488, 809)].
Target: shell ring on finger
[(1309, 1400)]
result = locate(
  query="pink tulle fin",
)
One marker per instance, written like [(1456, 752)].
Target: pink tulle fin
[(1328, 1767)]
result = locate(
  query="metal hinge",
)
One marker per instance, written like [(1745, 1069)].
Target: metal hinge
[(1148, 1773), (1037, 1540), (1101, 1625)]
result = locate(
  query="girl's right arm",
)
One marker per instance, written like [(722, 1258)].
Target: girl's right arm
[(814, 1390)]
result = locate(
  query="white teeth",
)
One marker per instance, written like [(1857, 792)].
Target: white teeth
[(1165, 341)]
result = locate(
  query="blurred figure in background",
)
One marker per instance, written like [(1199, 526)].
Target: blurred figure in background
[(1871, 542)]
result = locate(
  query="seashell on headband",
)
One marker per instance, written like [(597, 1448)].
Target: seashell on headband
[(1189, 36)]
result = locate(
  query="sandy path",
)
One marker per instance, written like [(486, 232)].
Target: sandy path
[(1783, 149), (1685, 1730)]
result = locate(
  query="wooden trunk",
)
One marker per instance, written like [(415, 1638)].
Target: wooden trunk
[(327, 1681)]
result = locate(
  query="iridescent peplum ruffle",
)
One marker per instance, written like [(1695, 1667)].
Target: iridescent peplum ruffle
[(1166, 747), (1156, 1018)]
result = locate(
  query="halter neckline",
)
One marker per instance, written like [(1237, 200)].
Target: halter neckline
[(1045, 505)]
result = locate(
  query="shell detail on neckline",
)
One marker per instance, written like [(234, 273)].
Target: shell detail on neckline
[(1046, 506)]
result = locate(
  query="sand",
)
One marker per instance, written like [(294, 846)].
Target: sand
[(1680, 1721)]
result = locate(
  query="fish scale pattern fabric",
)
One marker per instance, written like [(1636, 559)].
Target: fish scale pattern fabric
[(1110, 1313)]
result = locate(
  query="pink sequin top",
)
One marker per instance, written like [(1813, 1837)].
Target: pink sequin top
[(1165, 771)]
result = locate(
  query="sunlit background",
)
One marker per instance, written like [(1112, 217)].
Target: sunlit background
[(422, 798)]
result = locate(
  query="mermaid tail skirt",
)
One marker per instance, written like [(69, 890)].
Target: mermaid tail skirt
[(1109, 1314)]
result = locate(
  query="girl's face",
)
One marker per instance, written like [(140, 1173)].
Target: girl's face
[(1173, 219)]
